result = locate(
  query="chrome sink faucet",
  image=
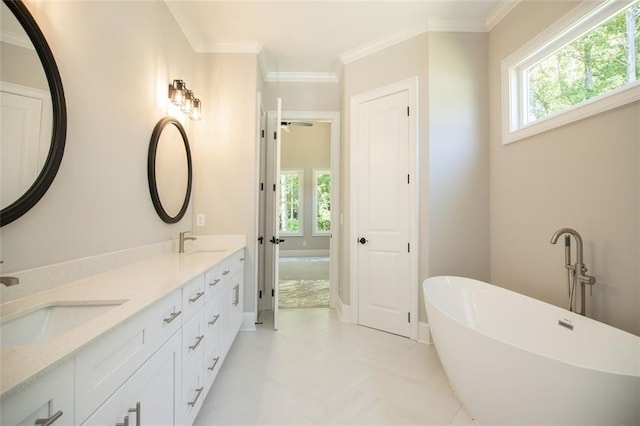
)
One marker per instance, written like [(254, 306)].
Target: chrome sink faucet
[(8, 281), (576, 273), (183, 238)]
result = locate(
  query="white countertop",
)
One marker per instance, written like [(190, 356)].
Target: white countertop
[(140, 284)]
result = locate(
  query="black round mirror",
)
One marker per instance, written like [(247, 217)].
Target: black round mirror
[(34, 114), (169, 170)]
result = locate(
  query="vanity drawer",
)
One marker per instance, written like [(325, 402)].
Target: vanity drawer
[(193, 393), (167, 316), (213, 281), (192, 296), (109, 361), (193, 339)]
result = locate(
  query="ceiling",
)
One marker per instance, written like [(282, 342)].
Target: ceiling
[(310, 40)]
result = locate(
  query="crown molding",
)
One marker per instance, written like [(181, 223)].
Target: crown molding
[(456, 26), (21, 40), (380, 44), (302, 77), (499, 12)]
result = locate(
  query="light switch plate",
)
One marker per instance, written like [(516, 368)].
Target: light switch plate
[(200, 219)]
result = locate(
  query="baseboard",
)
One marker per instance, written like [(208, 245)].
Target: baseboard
[(248, 321), (344, 311), (424, 333), (303, 253)]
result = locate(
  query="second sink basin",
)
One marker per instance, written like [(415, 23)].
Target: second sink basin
[(51, 321)]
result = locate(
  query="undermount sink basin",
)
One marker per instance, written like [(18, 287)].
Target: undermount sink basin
[(51, 321), (205, 251)]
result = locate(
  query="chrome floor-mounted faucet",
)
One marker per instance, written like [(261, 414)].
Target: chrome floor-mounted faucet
[(183, 238), (576, 273)]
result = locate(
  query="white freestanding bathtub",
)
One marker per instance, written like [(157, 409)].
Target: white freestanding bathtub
[(514, 360)]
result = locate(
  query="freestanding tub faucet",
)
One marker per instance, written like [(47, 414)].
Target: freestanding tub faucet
[(576, 273), (183, 238)]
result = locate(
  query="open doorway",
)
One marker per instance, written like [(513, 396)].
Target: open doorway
[(302, 201), (305, 214)]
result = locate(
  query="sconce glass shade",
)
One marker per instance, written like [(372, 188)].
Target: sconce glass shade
[(196, 112), (187, 106), (177, 92)]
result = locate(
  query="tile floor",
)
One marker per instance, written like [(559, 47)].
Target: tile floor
[(304, 282), (319, 370)]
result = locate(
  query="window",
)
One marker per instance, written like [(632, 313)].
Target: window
[(321, 202), (586, 63), (291, 202)]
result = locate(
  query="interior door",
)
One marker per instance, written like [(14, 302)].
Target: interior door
[(275, 223), (262, 212), (383, 214)]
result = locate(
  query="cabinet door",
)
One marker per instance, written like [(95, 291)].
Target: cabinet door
[(50, 397), (147, 397)]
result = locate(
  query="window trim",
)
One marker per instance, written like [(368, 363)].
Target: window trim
[(314, 230), (300, 231), (578, 21)]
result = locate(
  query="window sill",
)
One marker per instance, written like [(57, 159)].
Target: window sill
[(608, 101)]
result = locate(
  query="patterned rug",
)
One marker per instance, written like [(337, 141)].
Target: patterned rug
[(304, 282)]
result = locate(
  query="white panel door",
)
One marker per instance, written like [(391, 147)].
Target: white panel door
[(384, 277)]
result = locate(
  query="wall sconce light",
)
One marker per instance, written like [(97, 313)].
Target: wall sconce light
[(185, 99)]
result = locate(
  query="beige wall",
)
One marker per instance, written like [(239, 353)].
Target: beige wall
[(306, 148), (453, 153), (115, 60), (303, 96), (458, 170), (225, 163), (584, 175)]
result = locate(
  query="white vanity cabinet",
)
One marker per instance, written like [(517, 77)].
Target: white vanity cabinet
[(47, 401), (147, 397), (153, 369)]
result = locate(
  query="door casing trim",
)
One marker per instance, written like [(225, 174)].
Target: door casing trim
[(411, 86)]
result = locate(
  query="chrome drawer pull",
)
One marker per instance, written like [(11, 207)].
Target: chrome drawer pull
[(215, 318), (216, 281), (198, 392), (216, 359), (50, 420), (197, 343), (173, 316), (236, 295), (198, 296), (137, 411), (126, 422), (241, 259), (226, 272)]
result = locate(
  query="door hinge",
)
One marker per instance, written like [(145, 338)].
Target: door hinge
[(262, 133), (273, 293), (275, 135), (408, 247), (408, 178), (260, 294), (261, 239), (274, 186), (261, 186), (408, 114), (408, 316)]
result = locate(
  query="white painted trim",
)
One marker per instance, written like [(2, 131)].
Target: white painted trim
[(424, 333), (17, 39), (302, 77), (457, 26), (256, 200), (262, 62), (381, 44), (499, 12), (344, 311), (304, 253), (410, 85), (583, 16), (249, 321)]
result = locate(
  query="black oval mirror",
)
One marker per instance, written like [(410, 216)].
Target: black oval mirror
[(169, 170), (22, 188)]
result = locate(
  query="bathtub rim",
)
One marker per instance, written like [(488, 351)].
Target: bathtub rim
[(635, 374)]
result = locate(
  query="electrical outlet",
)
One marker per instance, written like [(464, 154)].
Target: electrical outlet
[(200, 219)]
